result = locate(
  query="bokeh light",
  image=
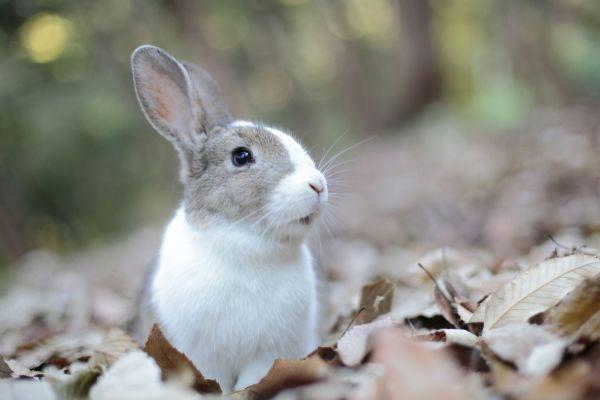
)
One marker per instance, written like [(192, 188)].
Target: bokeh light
[(45, 36)]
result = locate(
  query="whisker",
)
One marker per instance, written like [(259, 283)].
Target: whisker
[(347, 149), (332, 167), (326, 153)]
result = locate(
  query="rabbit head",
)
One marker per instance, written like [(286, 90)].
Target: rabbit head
[(248, 175)]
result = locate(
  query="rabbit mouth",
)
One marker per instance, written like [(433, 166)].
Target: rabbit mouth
[(306, 220)]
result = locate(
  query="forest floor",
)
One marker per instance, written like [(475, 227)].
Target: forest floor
[(457, 266)]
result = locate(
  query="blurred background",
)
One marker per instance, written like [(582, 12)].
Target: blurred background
[(452, 89)]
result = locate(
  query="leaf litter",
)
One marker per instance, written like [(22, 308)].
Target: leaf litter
[(510, 312)]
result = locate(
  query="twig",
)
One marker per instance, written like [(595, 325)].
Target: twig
[(363, 308), (562, 246), (574, 249), (437, 286), (412, 327)]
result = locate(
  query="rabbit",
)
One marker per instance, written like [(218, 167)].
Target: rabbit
[(235, 285)]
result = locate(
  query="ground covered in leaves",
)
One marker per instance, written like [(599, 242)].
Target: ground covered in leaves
[(462, 267)]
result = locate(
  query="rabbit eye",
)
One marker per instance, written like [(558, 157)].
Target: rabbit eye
[(241, 156)]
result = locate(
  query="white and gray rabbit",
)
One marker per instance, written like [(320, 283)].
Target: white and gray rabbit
[(235, 286)]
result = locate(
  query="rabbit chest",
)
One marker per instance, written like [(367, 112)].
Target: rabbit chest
[(224, 301)]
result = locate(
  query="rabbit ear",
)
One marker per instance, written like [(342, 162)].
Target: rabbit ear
[(208, 97), (166, 95)]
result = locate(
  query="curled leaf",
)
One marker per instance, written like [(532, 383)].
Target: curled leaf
[(532, 349), (354, 345), (375, 299), (537, 289), (137, 376), (5, 371), (576, 309), (285, 374), (171, 361), (454, 336)]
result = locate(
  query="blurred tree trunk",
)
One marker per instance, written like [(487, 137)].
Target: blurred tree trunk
[(526, 28), (13, 224), (191, 15), (422, 84)]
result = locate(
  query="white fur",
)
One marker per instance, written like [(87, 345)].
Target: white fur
[(293, 198), (233, 300)]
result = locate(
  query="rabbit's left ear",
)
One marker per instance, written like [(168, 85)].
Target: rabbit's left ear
[(166, 95), (208, 98)]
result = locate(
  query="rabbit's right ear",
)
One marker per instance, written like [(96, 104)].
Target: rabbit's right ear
[(166, 95)]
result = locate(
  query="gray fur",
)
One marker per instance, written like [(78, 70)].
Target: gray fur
[(184, 104), (218, 188), (209, 98), (165, 93)]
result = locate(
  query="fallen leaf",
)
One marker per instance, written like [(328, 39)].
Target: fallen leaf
[(17, 389), (98, 346), (590, 330), (76, 386), (455, 336), (375, 300), (409, 302), (285, 374), (328, 353), (575, 309), (464, 313), (5, 371), (532, 349), (536, 289), (115, 344), (413, 371), (567, 383), (354, 345), (137, 376), (447, 307), (363, 384), (479, 314), (462, 344), (172, 362)]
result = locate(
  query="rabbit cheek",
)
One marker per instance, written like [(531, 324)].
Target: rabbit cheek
[(294, 204)]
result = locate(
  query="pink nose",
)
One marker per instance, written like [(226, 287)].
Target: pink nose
[(316, 186)]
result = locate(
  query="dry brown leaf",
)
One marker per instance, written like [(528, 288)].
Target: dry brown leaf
[(462, 344), (576, 309), (567, 383), (285, 374), (116, 344), (363, 384), (410, 368), (536, 289), (478, 315), (531, 348), (375, 300), (5, 371), (455, 336), (137, 376), (328, 353), (447, 307), (172, 362), (409, 302), (590, 330), (464, 313), (77, 386), (354, 345)]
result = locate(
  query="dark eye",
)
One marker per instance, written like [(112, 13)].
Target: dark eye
[(241, 156)]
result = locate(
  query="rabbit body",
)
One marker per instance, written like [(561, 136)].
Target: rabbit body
[(230, 318), (235, 287)]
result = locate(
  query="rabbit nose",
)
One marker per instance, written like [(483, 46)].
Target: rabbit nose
[(316, 186)]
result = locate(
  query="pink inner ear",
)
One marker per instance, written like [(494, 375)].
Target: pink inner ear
[(167, 101)]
